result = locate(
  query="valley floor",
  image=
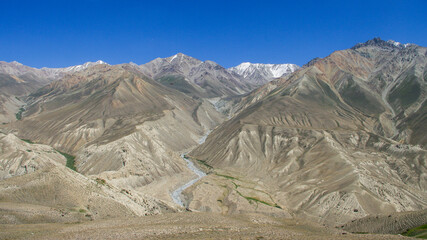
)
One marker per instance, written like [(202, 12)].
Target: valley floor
[(183, 226)]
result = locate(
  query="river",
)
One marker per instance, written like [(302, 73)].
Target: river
[(176, 195)]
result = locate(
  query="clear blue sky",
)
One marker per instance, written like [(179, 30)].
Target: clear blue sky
[(62, 33)]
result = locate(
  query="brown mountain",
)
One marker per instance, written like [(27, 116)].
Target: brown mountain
[(121, 125), (18, 80), (36, 187), (334, 141)]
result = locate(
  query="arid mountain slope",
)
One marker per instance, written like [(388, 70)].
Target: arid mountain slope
[(19, 157), (325, 140), (379, 79), (121, 125), (396, 223), (37, 187), (18, 80), (103, 97)]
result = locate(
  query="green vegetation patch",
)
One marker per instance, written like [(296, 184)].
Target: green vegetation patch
[(226, 176), (18, 115), (28, 141), (249, 199), (204, 164), (418, 232), (257, 200), (101, 181), (254, 199), (70, 160)]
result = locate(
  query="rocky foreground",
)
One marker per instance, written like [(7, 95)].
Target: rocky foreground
[(184, 226)]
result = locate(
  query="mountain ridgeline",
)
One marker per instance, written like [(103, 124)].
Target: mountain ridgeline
[(339, 139)]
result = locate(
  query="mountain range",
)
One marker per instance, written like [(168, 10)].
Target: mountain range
[(339, 139), (18, 80)]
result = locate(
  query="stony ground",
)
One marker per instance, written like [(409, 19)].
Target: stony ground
[(387, 223), (183, 226)]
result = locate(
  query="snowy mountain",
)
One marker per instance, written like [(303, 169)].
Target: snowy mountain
[(18, 80), (81, 67), (58, 72), (259, 74)]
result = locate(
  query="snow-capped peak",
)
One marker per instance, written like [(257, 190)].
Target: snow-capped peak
[(83, 66), (247, 69), (398, 44), (179, 56), (173, 57), (17, 63)]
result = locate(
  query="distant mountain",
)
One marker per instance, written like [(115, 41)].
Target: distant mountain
[(18, 80), (259, 74), (192, 76), (43, 74), (340, 139), (59, 72)]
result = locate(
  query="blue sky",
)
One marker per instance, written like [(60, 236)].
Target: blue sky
[(62, 33)]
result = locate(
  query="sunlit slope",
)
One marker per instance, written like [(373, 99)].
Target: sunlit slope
[(329, 140)]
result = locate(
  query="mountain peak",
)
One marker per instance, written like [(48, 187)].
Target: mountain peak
[(101, 62), (179, 57), (378, 42), (83, 66), (272, 70), (87, 64), (16, 63), (398, 44)]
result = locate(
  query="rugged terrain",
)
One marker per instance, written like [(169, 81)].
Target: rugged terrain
[(121, 125), (338, 143), (335, 141), (36, 186), (18, 80)]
